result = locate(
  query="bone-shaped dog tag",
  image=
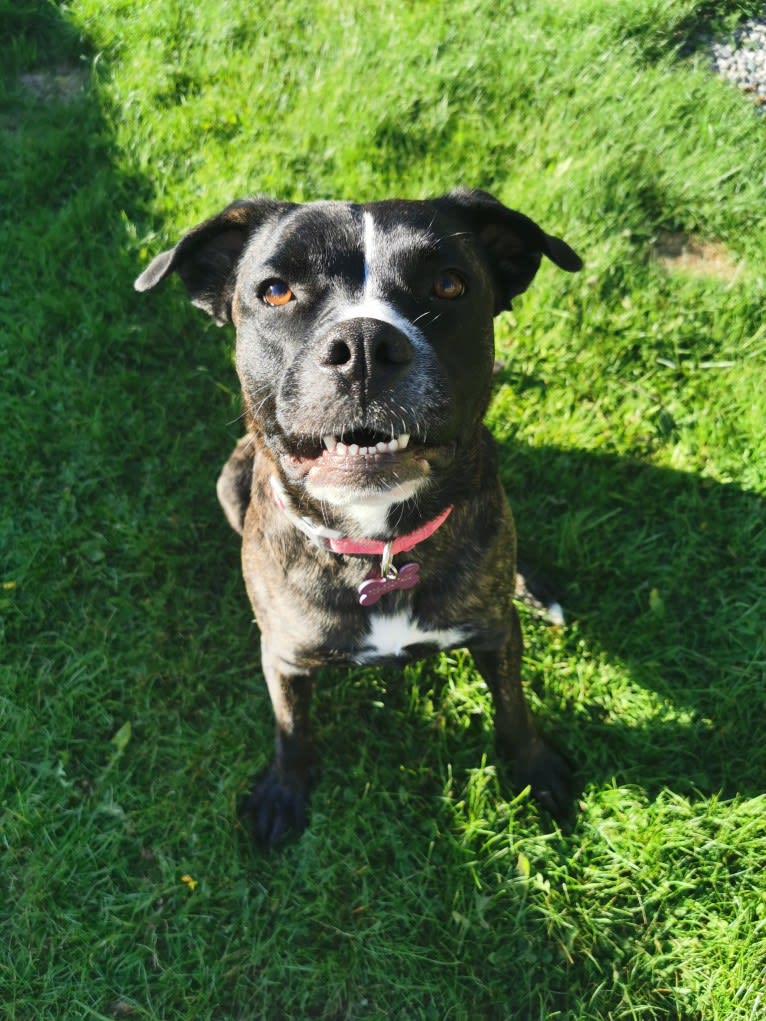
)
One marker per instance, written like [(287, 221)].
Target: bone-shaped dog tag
[(372, 589)]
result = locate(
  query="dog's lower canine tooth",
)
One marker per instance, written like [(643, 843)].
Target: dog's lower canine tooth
[(403, 440), (330, 442)]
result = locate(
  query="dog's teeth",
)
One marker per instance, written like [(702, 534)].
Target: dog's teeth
[(341, 449)]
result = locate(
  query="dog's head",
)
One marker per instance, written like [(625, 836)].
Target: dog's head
[(364, 332)]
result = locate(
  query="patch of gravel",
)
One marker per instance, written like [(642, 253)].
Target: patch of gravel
[(742, 59)]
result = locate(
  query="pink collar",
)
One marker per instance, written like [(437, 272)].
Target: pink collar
[(333, 540), (401, 544)]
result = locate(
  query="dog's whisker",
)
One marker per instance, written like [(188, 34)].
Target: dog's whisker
[(257, 409), (237, 419)]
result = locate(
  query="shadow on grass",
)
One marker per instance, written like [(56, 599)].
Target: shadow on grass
[(661, 575), (97, 384), (663, 571)]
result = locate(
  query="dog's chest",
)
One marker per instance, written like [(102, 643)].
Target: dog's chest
[(401, 636)]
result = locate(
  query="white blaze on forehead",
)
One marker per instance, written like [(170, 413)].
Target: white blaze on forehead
[(373, 305), (369, 251)]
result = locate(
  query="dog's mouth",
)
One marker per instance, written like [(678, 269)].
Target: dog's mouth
[(363, 443), (349, 447), (360, 458)]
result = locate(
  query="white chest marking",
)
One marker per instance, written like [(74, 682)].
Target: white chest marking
[(372, 518), (389, 635), (367, 511)]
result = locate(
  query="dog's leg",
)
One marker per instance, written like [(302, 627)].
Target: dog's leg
[(277, 806), (535, 763)]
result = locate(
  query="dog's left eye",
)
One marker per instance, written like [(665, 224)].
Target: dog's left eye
[(275, 293), (449, 285)]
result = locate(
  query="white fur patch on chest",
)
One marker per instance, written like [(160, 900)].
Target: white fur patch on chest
[(391, 634), (367, 513)]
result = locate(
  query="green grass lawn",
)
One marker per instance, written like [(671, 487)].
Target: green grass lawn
[(631, 419)]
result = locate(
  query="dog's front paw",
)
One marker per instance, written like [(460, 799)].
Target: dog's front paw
[(549, 776), (274, 809)]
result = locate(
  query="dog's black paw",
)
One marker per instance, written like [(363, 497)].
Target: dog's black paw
[(274, 810), (549, 776)]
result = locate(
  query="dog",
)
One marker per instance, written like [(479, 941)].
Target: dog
[(374, 525)]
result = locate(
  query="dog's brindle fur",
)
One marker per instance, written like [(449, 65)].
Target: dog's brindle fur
[(363, 323)]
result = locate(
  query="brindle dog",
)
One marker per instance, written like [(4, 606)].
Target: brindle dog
[(374, 526)]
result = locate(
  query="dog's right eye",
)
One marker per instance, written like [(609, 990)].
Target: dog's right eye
[(449, 285), (276, 293)]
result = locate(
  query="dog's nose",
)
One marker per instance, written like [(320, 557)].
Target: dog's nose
[(368, 352)]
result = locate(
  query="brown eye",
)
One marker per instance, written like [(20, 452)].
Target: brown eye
[(276, 292), (449, 285)]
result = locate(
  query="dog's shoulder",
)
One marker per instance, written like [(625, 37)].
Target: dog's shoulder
[(235, 482)]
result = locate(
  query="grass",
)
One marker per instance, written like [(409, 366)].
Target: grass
[(631, 420)]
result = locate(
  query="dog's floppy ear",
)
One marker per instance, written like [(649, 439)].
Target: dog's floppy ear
[(206, 257), (514, 244)]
